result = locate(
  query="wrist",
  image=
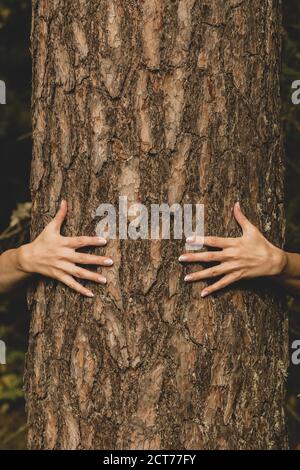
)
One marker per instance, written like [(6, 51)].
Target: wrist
[(25, 261), (279, 261)]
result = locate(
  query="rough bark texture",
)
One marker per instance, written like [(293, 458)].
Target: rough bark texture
[(161, 101)]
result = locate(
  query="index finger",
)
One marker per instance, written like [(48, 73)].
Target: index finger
[(217, 242), (80, 242)]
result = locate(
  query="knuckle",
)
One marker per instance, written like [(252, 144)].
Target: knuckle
[(212, 241), (65, 280), (237, 276), (61, 254), (241, 274), (66, 241), (234, 254), (72, 241), (69, 254), (80, 258), (210, 256), (54, 273), (79, 241), (56, 263), (78, 273)]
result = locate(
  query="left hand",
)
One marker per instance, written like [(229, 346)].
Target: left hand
[(245, 257)]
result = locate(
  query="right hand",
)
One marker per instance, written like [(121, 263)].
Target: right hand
[(55, 256)]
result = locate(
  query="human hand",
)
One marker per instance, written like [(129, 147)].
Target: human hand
[(55, 256), (245, 257)]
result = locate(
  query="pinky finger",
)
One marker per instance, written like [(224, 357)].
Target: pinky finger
[(225, 281), (70, 282)]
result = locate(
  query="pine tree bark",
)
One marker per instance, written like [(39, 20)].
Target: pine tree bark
[(160, 101)]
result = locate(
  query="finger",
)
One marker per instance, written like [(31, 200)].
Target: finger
[(241, 219), (203, 257), (60, 215), (80, 242), (82, 273), (82, 258), (210, 272), (217, 242), (225, 281), (70, 282)]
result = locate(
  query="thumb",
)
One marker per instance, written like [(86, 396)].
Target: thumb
[(60, 215), (241, 219)]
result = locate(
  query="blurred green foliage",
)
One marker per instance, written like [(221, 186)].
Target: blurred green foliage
[(15, 126), (15, 144), (14, 321), (15, 148)]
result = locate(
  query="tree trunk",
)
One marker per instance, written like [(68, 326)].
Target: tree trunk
[(159, 101)]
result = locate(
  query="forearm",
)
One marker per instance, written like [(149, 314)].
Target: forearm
[(11, 272)]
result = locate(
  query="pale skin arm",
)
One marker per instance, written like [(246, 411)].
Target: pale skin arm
[(54, 256), (246, 257)]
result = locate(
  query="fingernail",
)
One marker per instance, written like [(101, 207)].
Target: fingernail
[(102, 280), (204, 293), (238, 204), (191, 239), (188, 277), (108, 262), (102, 240), (182, 258), (89, 294)]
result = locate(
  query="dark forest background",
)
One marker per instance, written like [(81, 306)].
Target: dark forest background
[(15, 152)]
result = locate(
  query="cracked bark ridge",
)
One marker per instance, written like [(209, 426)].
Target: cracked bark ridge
[(161, 101)]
